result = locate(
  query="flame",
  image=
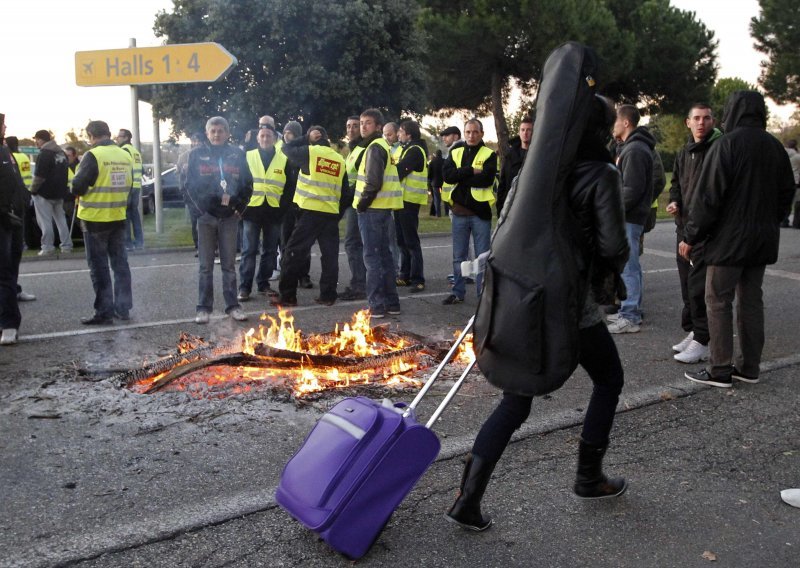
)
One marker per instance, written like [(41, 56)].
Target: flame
[(466, 353)]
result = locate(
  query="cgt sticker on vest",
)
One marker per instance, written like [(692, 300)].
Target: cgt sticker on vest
[(328, 167)]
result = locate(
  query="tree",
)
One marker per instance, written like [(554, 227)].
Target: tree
[(308, 60), (651, 52), (777, 34), (722, 90)]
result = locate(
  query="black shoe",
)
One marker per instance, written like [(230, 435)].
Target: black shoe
[(278, 301), (739, 376), (393, 311), (377, 315), (323, 302), (452, 299), (590, 481), (415, 288), (97, 320), (305, 282), (703, 376), (124, 316), (350, 294), (466, 511)]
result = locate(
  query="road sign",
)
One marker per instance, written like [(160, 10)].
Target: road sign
[(178, 63)]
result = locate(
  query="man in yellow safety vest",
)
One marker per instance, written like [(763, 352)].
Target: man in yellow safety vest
[(412, 169), (134, 220)]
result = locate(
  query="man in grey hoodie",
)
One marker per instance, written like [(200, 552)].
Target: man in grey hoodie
[(635, 163)]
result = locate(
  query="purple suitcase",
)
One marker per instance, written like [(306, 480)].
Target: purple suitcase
[(358, 463)]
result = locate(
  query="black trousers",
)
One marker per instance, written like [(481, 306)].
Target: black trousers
[(600, 359), (287, 226), (311, 226), (11, 241), (693, 291)]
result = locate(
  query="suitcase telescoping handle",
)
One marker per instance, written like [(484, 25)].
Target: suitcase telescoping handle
[(429, 383)]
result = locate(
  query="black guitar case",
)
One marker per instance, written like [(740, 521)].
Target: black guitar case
[(526, 325)]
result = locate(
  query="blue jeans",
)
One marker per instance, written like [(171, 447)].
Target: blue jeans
[(211, 233), (354, 249), (134, 221), (11, 242), (381, 274), (102, 246), (250, 249), (481, 231), (631, 308)]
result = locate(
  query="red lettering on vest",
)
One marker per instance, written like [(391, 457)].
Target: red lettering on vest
[(328, 167)]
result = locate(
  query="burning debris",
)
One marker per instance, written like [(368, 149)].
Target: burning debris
[(278, 357)]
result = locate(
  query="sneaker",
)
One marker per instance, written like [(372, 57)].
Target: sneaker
[(377, 315), (9, 336), (703, 376), (237, 314), (66, 251), (350, 294), (25, 297), (243, 296), (683, 344), (613, 317), (402, 282), (451, 278), (415, 288), (305, 282), (622, 325), (452, 299), (739, 376), (695, 353), (123, 315), (44, 252), (393, 311), (201, 317)]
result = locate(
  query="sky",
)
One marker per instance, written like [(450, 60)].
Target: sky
[(39, 90)]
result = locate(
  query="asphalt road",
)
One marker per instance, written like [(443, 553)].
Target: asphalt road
[(97, 475)]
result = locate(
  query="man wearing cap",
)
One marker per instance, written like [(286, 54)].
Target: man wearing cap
[(49, 188), (320, 195), (134, 220), (103, 181), (378, 193), (469, 175), (263, 214)]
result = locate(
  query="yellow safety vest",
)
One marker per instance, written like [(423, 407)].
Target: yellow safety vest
[(137, 164), (321, 189), (350, 161), (390, 195), (396, 152), (107, 199), (24, 165), (415, 184), (478, 193), (268, 182)]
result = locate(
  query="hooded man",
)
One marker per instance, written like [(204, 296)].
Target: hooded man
[(49, 188), (635, 163), (748, 189)]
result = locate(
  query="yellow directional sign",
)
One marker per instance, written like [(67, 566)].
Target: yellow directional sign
[(178, 63)]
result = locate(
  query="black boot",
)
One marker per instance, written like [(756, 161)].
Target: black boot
[(466, 511), (590, 481)]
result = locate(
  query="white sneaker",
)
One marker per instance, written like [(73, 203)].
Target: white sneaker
[(237, 314), (47, 252), (622, 325), (683, 344), (695, 353), (613, 317), (9, 336), (201, 317), (25, 297), (276, 275)]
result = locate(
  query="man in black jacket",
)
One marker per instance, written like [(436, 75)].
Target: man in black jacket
[(747, 189), (49, 189), (513, 160), (635, 163), (12, 209), (692, 275)]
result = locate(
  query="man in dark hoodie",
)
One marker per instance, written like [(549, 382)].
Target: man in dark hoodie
[(49, 189), (513, 160), (12, 209), (635, 163), (692, 275), (747, 189)]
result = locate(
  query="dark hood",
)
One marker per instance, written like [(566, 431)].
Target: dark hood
[(642, 134), (744, 108)]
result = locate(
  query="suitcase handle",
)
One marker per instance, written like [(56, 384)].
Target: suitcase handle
[(429, 383)]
